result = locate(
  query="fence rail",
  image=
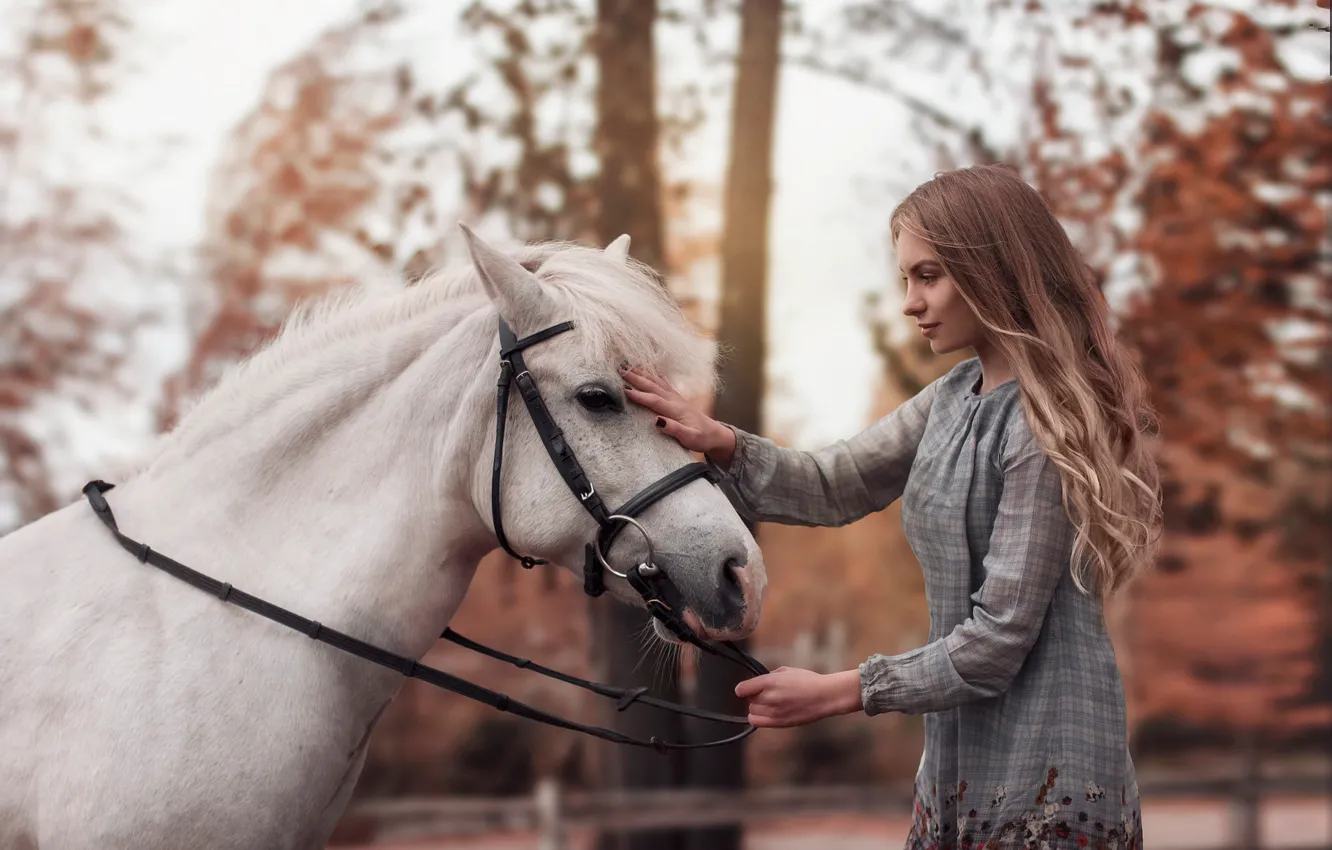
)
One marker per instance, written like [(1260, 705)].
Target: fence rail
[(552, 814)]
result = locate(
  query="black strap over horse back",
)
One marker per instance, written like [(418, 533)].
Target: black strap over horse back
[(315, 630)]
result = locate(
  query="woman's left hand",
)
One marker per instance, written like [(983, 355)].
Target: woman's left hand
[(789, 696)]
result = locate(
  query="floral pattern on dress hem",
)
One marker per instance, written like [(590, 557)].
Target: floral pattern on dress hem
[(1052, 822)]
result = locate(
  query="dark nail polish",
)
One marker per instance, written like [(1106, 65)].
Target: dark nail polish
[(661, 423)]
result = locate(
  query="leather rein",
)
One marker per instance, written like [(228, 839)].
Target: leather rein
[(647, 578)]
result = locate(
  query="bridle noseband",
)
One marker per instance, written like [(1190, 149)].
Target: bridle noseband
[(647, 578)]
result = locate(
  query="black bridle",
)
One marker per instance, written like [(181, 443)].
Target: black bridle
[(647, 578)]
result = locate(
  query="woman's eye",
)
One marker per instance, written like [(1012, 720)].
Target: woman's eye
[(595, 398)]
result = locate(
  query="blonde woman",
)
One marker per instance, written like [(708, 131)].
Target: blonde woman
[(1029, 493)]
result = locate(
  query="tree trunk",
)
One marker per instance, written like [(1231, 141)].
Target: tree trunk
[(744, 273), (629, 201), (626, 140)]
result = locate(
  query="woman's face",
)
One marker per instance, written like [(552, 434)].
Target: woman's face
[(933, 300)]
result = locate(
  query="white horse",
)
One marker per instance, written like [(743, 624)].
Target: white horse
[(343, 473)]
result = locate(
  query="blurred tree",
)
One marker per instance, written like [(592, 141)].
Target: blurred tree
[(741, 333), (882, 45), (628, 189), (290, 201), (72, 340), (535, 89), (1222, 273), (356, 162), (352, 168)]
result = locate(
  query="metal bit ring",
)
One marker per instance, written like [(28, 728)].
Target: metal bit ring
[(601, 556)]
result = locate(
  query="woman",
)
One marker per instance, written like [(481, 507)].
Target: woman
[(1029, 493)]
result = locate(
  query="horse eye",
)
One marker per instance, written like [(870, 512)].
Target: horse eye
[(595, 398)]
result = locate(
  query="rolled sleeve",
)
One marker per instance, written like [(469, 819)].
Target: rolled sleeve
[(1030, 547)]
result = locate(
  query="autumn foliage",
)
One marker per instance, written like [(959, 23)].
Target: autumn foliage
[(1227, 180), (63, 342), (289, 203)]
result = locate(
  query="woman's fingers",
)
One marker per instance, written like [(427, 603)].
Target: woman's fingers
[(675, 416), (690, 438), (763, 721), (758, 706), (638, 380), (651, 401), (667, 385), (643, 383), (764, 715), (749, 689), (658, 404)]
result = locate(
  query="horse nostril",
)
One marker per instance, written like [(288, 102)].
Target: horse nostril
[(730, 579)]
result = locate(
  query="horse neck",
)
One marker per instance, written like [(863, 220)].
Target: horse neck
[(339, 485)]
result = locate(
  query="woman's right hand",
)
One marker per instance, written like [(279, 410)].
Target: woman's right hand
[(691, 428)]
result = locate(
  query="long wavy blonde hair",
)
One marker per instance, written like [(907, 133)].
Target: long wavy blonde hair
[(1085, 398)]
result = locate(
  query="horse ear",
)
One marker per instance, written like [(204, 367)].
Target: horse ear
[(619, 249), (516, 292)]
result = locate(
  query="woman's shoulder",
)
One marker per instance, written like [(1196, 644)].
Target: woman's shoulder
[(1007, 418)]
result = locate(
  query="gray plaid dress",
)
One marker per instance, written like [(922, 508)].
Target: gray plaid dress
[(1025, 733)]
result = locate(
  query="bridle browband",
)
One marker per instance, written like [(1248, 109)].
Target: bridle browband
[(647, 578)]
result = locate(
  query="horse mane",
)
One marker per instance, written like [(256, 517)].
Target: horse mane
[(620, 310)]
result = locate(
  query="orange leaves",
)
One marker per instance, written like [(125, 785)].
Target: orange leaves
[(1223, 177), (65, 331), (288, 180), (1255, 46), (301, 173), (83, 44)]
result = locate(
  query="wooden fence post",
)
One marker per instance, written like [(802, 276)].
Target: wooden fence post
[(550, 823), (1246, 805)]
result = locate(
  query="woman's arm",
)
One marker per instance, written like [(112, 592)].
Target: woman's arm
[(835, 485), (1030, 547)]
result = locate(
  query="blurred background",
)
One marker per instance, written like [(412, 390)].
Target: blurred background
[(176, 174)]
